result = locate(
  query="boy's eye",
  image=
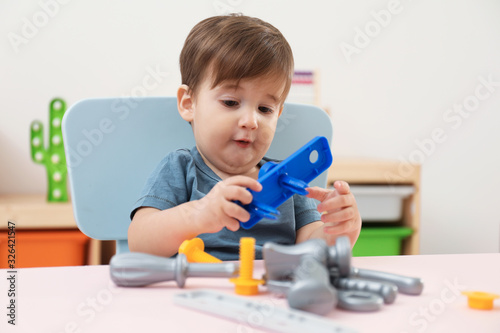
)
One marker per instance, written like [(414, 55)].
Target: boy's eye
[(230, 103), (265, 109)]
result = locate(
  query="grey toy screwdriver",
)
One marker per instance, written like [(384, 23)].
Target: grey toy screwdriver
[(139, 269)]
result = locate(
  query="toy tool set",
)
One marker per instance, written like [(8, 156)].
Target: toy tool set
[(315, 278)]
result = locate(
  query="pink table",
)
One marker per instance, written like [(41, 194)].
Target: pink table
[(83, 299)]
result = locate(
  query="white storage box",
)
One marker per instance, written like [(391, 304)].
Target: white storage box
[(381, 203)]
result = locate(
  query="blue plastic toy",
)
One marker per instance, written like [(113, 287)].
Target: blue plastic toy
[(282, 180)]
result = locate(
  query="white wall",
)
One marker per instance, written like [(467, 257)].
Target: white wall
[(387, 97)]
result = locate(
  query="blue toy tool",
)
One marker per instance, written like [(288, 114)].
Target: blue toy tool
[(281, 181)]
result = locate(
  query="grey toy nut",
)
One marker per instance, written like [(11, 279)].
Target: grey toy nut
[(359, 301)]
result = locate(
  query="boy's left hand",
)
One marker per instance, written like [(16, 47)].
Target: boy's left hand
[(339, 209)]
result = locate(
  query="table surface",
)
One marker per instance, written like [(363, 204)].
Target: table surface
[(83, 299)]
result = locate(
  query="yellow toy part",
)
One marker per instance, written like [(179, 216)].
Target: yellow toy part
[(480, 300), (194, 250), (245, 284)]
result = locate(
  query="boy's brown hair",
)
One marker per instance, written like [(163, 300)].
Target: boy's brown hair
[(235, 47)]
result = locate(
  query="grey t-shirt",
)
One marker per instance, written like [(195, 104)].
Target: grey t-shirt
[(183, 176)]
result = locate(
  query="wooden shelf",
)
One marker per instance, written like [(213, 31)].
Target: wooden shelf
[(364, 171), (385, 172), (32, 211)]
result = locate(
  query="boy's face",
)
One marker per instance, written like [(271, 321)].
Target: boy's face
[(233, 124)]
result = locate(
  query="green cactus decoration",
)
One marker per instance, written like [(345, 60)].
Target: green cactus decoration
[(53, 156)]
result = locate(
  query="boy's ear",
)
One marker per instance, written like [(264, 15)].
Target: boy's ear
[(281, 110), (185, 102)]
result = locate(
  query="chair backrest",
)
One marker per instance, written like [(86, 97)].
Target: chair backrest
[(112, 145)]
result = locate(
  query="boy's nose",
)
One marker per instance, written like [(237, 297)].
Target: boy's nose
[(248, 119)]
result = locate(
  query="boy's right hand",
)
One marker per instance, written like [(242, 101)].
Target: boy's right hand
[(218, 208)]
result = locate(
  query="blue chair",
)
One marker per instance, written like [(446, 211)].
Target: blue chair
[(113, 144)]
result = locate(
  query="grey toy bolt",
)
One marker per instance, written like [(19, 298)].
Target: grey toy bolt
[(140, 269), (406, 284), (387, 291)]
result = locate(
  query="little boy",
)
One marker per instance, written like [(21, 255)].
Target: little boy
[(236, 73)]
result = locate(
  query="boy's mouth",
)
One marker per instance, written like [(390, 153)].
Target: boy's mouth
[(243, 143)]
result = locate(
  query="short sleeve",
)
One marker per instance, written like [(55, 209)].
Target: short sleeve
[(167, 185), (306, 211)]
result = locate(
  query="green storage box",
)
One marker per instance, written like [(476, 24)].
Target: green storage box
[(380, 241)]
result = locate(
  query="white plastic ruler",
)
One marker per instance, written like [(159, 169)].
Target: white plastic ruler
[(257, 314)]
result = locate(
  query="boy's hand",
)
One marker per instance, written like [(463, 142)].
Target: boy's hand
[(339, 209), (218, 208)]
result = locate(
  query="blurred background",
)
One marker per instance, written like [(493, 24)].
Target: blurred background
[(407, 81)]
